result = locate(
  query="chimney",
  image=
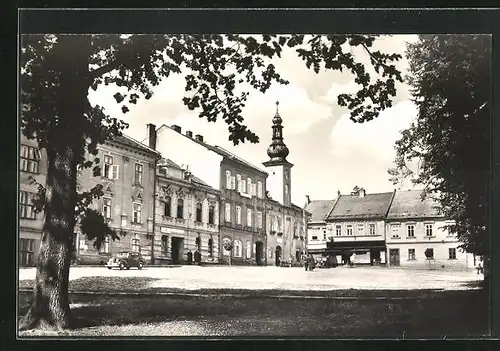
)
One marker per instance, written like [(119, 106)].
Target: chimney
[(362, 192), (199, 137), (308, 200), (176, 128), (189, 134), (151, 136), (338, 193)]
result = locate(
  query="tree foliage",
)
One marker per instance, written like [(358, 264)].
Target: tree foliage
[(450, 79), (57, 72), (357, 190)]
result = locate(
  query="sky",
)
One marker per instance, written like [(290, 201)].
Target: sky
[(330, 153)]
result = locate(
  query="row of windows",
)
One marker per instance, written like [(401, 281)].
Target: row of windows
[(167, 210), (111, 171), (250, 215), (238, 249), (26, 208), (136, 210), (410, 230), (372, 229), (30, 159), (26, 250), (244, 186), (452, 254)]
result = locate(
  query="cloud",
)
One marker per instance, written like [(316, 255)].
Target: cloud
[(329, 151)]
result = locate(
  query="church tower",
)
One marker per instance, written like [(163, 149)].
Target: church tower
[(279, 180)]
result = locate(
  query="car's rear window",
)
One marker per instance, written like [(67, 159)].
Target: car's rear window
[(122, 254)]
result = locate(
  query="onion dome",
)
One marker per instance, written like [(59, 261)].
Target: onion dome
[(277, 151)]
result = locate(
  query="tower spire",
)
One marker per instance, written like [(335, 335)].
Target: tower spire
[(277, 151)]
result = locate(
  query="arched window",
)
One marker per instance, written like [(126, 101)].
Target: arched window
[(271, 222), (136, 244), (167, 207), (164, 244), (249, 217), (210, 246), (279, 224), (211, 214), (238, 215), (238, 248), (248, 249), (198, 242), (180, 208), (199, 209)]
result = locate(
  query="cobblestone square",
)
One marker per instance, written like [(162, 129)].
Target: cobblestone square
[(340, 278)]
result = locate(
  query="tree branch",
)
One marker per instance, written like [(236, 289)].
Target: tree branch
[(103, 69)]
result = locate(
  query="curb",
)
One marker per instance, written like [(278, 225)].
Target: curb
[(244, 296)]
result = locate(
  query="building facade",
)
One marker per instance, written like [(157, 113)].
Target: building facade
[(32, 166), (186, 216), (316, 226), (413, 226), (356, 227), (243, 216), (286, 221), (241, 185), (128, 179)]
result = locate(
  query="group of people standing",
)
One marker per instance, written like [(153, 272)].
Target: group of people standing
[(196, 256), (309, 262)]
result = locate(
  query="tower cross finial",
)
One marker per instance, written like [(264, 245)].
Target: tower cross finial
[(277, 104)]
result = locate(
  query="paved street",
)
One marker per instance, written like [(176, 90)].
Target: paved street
[(224, 277)]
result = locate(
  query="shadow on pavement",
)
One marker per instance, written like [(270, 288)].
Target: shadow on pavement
[(444, 314)]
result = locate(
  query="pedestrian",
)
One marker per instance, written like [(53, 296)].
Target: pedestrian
[(197, 257), (305, 259), (189, 257), (311, 263)]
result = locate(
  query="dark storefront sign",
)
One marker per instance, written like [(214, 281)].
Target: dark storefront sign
[(355, 246)]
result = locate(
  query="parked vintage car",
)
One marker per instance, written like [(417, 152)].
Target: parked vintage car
[(126, 260)]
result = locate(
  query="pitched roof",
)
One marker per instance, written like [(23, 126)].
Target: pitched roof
[(218, 150), (169, 163), (126, 140), (319, 209), (367, 207), (223, 152), (409, 204)]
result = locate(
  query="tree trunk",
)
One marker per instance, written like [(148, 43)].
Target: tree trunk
[(66, 145), (50, 305)]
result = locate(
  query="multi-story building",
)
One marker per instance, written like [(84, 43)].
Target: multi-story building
[(241, 185), (316, 225), (414, 226), (286, 221), (356, 226), (186, 216), (33, 167), (128, 179)]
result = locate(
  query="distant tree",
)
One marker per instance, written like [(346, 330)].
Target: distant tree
[(228, 246), (450, 79), (357, 190), (57, 72)]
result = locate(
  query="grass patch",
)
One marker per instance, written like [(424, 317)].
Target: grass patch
[(456, 314)]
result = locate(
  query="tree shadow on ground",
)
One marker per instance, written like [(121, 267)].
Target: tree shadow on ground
[(447, 313)]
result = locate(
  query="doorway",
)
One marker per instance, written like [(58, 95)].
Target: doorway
[(375, 257), (394, 257), (176, 249), (259, 252), (278, 255)]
